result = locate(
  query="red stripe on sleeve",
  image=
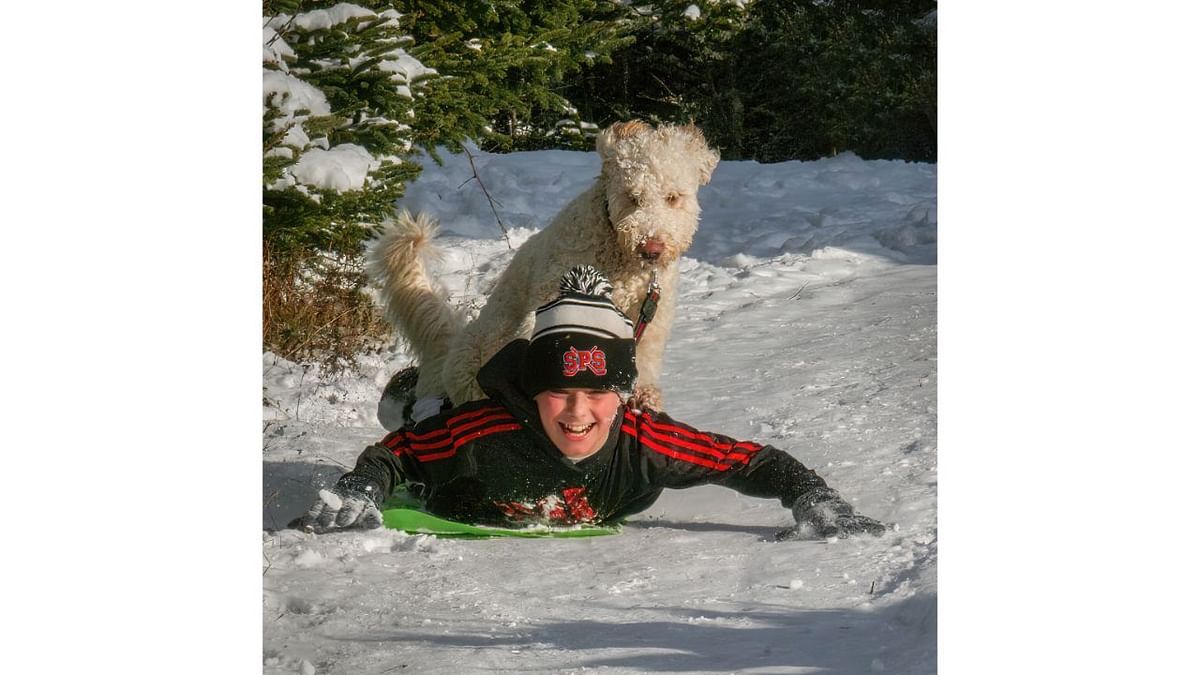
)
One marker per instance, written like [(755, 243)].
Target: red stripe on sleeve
[(688, 445), (699, 436), (393, 439), (442, 437), (454, 421), (475, 435), (427, 435), (458, 432), (681, 456), (460, 428), (436, 455), (668, 438), (467, 438), (474, 413)]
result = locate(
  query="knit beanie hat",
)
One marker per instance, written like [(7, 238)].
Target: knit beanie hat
[(580, 339)]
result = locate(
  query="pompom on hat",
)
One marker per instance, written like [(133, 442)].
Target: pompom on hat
[(580, 339)]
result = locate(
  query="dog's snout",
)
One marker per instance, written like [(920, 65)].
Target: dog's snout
[(651, 249)]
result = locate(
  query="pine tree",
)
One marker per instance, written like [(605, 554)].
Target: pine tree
[(677, 69), (337, 85), (777, 79), (506, 63), (337, 88), (821, 77)]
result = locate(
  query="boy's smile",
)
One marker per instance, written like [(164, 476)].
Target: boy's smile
[(577, 421)]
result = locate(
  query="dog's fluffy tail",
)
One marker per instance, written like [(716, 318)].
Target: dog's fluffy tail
[(414, 303)]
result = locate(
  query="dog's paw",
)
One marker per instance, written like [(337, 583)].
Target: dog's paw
[(645, 397)]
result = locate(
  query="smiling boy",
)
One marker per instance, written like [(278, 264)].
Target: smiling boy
[(553, 443), (577, 420)]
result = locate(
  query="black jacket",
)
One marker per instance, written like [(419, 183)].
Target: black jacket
[(489, 461)]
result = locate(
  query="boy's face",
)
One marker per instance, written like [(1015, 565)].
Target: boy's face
[(577, 420)]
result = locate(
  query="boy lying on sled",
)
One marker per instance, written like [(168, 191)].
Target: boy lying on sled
[(553, 444)]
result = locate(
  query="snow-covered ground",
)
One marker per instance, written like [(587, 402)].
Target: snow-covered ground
[(807, 319), (1067, 336)]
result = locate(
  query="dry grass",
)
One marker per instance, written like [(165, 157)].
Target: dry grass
[(315, 310)]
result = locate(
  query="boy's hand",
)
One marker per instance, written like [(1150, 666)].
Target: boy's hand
[(350, 504), (823, 513)]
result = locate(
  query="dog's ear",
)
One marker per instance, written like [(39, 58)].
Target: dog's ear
[(706, 157), (618, 132)]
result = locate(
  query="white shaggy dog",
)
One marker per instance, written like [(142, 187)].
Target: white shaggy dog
[(637, 220)]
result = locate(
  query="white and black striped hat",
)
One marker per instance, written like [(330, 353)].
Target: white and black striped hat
[(580, 339)]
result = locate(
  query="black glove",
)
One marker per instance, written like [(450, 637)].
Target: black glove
[(352, 503), (823, 513)]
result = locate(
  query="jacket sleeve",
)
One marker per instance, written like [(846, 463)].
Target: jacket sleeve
[(435, 452), (404, 456), (378, 466), (677, 455)]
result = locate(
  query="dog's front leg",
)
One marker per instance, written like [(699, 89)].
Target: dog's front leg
[(647, 393)]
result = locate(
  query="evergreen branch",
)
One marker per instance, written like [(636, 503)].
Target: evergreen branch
[(279, 33)]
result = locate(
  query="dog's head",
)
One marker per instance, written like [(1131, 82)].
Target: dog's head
[(651, 177)]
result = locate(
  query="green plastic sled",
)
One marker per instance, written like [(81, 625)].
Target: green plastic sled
[(402, 512)]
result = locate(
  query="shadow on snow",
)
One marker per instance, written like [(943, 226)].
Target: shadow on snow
[(897, 638), (289, 488)]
